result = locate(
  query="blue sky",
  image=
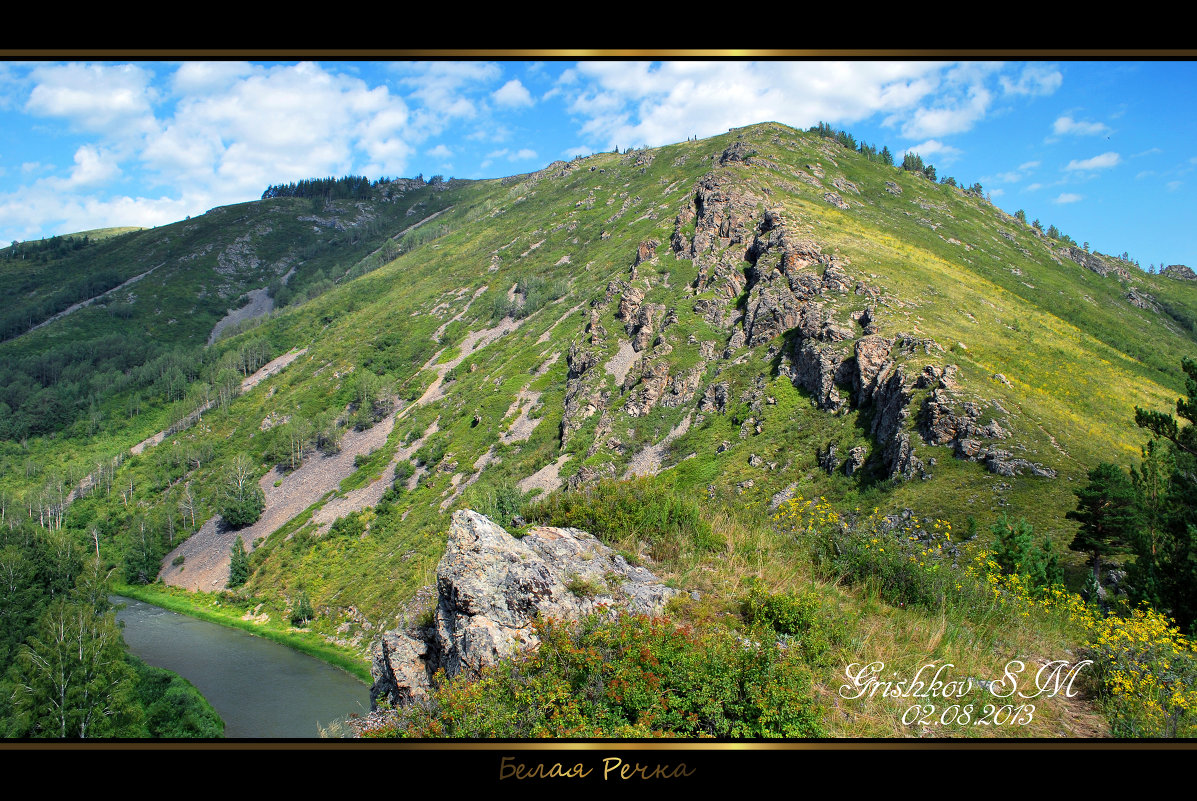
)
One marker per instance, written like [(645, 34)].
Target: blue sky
[(1103, 150)]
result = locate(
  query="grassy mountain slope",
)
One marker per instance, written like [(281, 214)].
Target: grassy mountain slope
[(724, 315)]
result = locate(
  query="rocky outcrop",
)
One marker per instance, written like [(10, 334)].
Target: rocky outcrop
[(646, 251), (1142, 300), (582, 399), (1094, 262), (855, 460), (722, 220), (835, 200), (490, 589), (1179, 272), (946, 419)]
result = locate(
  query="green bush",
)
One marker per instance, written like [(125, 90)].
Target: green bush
[(629, 677), (619, 511), (244, 511), (403, 471), (796, 617), (1015, 553), (904, 565), (352, 525), (433, 450), (303, 611), (501, 504)]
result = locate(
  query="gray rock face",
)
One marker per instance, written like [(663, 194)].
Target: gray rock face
[(1179, 272), (1142, 300), (490, 589), (855, 460), (1094, 262), (835, 200)]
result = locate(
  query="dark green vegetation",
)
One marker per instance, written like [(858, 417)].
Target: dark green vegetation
[(1150, 511), (470, 344), (64, 670), (630, 678)]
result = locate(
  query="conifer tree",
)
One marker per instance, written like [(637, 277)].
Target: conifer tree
[(1108, 515), (239, 565)]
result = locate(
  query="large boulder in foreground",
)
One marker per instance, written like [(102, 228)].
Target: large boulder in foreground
[(491, 587)]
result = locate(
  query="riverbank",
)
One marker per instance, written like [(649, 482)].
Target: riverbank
[(215, 608)]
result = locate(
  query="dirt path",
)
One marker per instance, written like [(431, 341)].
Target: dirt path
[(648, 461), (543, 338), (81, 304), (251, 381), (207, 552), (269, 369), (371, 494), (523, 426), (546, 479)]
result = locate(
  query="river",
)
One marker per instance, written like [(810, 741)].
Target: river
[(260, 688)]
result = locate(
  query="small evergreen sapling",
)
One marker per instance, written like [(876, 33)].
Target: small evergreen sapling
[(239, 565)]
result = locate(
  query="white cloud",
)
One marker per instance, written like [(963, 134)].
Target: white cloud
[(1068, 197), (112, 99), (1103, 161), (1144, 174), (513, 94), (232, 130), (445, 90), (1174, 185), (282, 124), (440, 152), (201, 77), (1069, 126), (92, 167), (523, 154), (996, 192), (933, 147), (1033, 187), (28, 211), (1013, 176), (641, 103), (1034, 80)]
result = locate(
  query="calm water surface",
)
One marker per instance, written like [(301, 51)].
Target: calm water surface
[(260, 688)]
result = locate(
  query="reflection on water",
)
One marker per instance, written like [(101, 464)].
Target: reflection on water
[(260, 688)]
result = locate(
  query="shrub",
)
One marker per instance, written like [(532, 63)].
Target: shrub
[(622, 511), (244, 511), (352, 525), (625, 677), (403, 471), (1147, 674), (303, 611), (796, 617), (583, 587), (905, 563), (1016, 553), (501, 504), (433, 450)]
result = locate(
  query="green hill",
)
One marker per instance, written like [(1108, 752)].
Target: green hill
[(738, 321)]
